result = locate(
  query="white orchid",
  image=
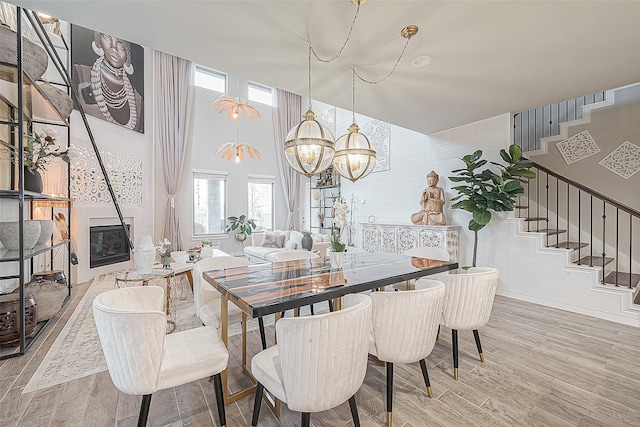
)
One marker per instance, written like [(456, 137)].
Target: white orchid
[(340, 210)]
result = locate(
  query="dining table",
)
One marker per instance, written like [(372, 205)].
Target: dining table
[(272, 288)]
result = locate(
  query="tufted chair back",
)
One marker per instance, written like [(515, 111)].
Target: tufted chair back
[(203, 292), (324, 357), (469, 298), (405, 324), (131, 324)]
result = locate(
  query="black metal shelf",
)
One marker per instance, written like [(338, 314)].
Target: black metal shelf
[(12, 256), (31, 195), (324, 188)]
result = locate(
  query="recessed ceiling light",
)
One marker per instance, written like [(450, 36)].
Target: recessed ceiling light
[(421, 61)]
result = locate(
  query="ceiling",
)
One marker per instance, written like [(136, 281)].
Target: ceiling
[(489, 57)]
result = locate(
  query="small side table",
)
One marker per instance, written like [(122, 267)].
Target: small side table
[(126, 278)]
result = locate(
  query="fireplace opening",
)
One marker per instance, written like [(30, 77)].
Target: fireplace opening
[(108, 244)]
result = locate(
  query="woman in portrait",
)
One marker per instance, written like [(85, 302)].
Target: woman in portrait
[(104, 88)]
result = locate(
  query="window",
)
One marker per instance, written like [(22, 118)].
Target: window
[(261, 200), (210, 79), (261, 94), (209, 202)]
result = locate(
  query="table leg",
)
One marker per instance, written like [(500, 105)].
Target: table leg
[(224, 335), (190, 279), (337, 304), (167, 307)]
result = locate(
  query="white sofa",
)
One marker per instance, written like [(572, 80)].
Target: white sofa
[(262, 249)]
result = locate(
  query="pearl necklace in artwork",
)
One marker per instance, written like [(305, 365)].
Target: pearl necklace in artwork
[(107, 98)]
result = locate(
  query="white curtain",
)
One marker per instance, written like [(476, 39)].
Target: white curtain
[(287, 115), (174, 114)]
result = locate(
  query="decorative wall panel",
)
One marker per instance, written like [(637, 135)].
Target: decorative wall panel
[(578, 147), (379, 133), (328, 118), (89, 186), (624, 160)]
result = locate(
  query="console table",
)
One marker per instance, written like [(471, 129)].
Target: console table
[(397, 238)]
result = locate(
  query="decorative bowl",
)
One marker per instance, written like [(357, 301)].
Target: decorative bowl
[(46, 231), (10, 235)]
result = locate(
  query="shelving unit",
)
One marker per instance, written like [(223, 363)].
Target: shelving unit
[(24, 104), (321, 201)]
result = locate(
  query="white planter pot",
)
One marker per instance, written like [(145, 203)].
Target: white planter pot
[(144, 255), (336, 259), (46, 230)]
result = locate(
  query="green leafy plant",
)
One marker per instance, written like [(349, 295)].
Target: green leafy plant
[(242, 223), (306, 233), (335, 243), (484, 190), (41, 149)]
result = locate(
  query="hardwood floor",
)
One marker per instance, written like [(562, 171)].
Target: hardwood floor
[(544, 367)]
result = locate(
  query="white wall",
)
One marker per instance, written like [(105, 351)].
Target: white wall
[(392, 196), (210, 130)]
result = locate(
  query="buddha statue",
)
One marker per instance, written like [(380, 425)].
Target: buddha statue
[(432, 204)]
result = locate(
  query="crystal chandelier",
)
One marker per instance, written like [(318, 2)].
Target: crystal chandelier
[(309, 146)]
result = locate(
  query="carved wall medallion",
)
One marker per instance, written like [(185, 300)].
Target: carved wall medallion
[(578, 147), (624, 160), (379, 134)]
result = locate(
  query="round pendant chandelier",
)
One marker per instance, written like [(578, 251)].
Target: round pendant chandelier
[(309, 146)]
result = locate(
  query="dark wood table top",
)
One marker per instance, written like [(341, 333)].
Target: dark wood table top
[(263, 289)]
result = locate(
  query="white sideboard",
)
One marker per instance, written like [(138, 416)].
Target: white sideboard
[(397, 238)]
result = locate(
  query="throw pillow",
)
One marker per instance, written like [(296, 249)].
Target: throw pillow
[(296, 237), (270, 240), (290, 245)]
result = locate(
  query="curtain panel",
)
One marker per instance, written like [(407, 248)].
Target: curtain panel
[(286, 115), (175, 97)]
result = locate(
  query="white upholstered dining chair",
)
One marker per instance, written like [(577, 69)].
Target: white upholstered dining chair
[(405, 325), (142, 359), (319, 362), (468, 303), (207, 298)]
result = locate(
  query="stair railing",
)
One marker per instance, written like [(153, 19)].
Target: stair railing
[(541, 122), (553, 193)]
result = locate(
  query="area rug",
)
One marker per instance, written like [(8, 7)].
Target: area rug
[(76, 353)]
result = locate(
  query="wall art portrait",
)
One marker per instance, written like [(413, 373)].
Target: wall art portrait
[(108, 73)]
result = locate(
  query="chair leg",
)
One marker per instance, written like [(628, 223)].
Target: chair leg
[(389, 393), (454, 344), (306, 419), (438, 334), (425, 375), (476, 335), (263, 337), (311, 307), (354, 411), (256, 404), (144, 410), (331, 306), (217, 385)]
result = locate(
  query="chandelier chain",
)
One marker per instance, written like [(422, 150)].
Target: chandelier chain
[(353, 86), (337, 55), (310, 50), (375, 82)]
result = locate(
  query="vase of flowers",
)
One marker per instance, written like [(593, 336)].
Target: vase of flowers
[(40, 150), (307, 240), (163, 248)]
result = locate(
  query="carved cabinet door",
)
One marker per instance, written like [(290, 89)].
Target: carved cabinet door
[(407, 239), (370, 239)]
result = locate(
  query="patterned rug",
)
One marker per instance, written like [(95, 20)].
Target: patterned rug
[(76, 353)]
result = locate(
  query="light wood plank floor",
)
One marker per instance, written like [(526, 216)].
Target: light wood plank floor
[(544, 367)]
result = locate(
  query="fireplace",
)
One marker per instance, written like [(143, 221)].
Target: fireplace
[(108, 244)]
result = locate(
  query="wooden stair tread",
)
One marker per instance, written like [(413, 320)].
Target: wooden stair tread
[(569, 245), (536, 218), (623, 279), (522, 207), (595, 262), (550, 231)]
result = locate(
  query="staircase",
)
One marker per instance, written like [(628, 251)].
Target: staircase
[(594, 231)]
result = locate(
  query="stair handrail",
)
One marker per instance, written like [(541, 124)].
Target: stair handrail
[(48, 45), (587, 190)]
